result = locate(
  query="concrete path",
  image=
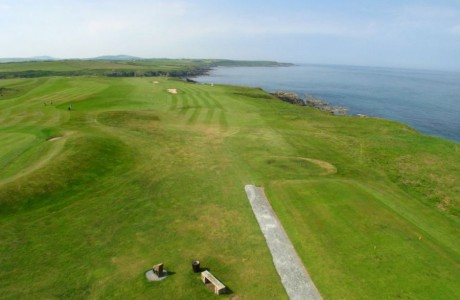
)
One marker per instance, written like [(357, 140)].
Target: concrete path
[(294, 276)]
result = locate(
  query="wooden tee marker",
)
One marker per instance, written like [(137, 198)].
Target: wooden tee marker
[(158, 269)]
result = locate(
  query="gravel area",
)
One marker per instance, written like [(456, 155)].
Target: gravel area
[(294, 276)]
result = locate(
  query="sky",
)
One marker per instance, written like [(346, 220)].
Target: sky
[(396, 33)]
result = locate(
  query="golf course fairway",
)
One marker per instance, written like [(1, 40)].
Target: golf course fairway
[(101, 178)]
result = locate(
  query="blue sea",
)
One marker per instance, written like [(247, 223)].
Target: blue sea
[(426, 100)]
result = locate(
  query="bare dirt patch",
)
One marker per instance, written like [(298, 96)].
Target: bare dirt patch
[(327, 167)]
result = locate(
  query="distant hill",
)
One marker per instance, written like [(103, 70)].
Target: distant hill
[(119, 66), (49, 58), (116, 57), (24, 59)]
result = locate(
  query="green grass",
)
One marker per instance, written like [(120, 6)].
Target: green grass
[(352, 241), (141, 176), (121, 68)]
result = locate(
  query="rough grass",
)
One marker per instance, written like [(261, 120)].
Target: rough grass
[(147, 67), (141, 176)]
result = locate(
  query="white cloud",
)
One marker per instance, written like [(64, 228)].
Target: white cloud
[(71, 27), (426, 17), (104, 26), (427, 13), (314, 24), (201, 28), (455, 29), (4, 7)]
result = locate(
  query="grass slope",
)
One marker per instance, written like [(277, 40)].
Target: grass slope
[(121, 68), (141, 176)]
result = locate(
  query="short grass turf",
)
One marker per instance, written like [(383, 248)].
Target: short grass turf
[(91, 198)]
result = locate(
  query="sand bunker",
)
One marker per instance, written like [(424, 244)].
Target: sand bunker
[(172, 91), (156, 82), (54, 138)]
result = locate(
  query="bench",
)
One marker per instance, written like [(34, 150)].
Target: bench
[(158, 269), (219, 287)]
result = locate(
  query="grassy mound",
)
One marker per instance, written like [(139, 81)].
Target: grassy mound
[(142, 176)]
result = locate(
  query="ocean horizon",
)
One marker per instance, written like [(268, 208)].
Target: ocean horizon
[(428, 100)]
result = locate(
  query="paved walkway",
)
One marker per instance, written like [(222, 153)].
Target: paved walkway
[(294, 276)]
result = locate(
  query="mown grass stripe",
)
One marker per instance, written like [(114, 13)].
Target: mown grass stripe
[(209, 116), (194, 116)]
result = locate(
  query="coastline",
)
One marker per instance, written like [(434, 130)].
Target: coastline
[(427, 117)]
